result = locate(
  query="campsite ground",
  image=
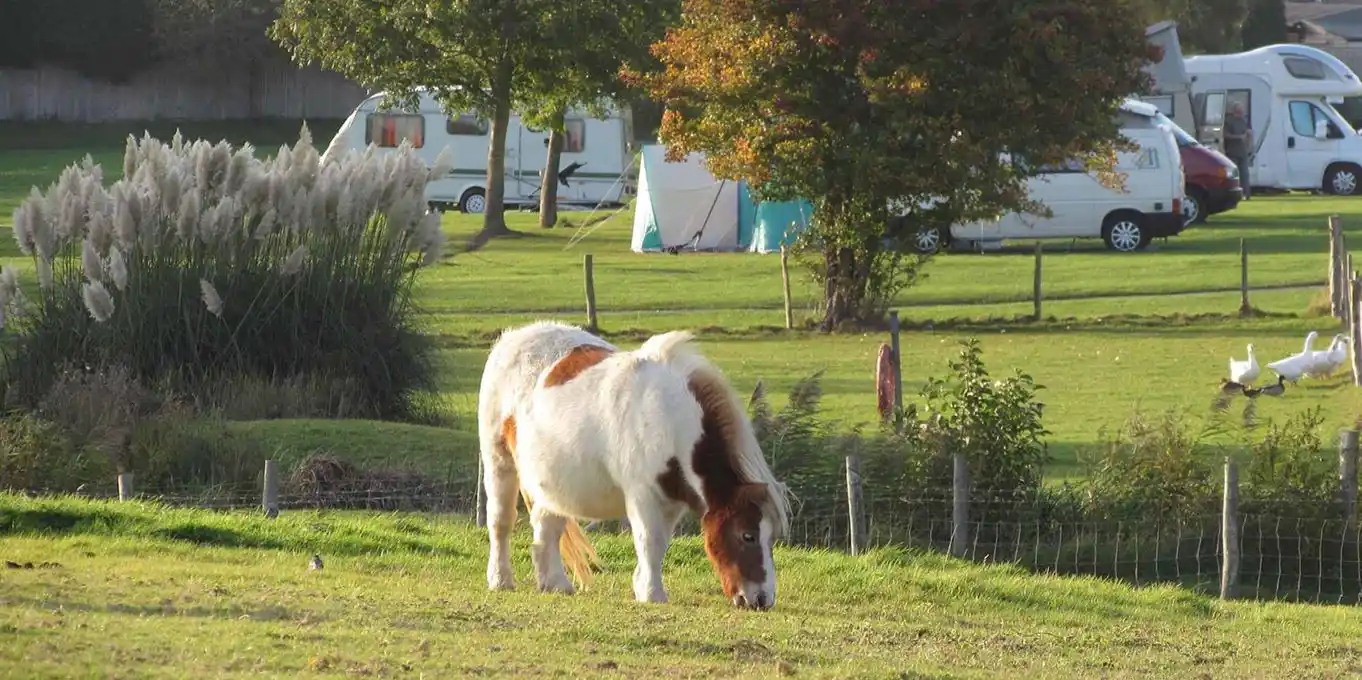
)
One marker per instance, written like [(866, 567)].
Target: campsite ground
[(145, 591), (1150, 330)]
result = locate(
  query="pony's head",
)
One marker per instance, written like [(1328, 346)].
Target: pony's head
[(738, 538)]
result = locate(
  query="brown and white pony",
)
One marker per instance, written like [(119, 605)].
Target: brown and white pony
[(584, 430)]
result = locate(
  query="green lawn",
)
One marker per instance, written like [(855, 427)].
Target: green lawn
[(1125, 333), (150, 592)]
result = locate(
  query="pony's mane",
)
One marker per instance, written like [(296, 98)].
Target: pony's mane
[(717, 396)]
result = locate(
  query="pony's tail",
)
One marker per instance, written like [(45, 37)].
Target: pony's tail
[(578, 554), (675, 349)]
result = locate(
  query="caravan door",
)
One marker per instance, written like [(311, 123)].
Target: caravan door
[(1211, 131)]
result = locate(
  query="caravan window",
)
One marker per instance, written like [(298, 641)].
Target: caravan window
[(389, 129), (1304, 68), (575, 139), (466, 124)]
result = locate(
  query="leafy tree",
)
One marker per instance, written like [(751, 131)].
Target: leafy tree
[(1204, 26), (591, 42), (857, 103), (468, 54), (1265, 23)]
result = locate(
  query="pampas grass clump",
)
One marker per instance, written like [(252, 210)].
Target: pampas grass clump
[(204, 262)]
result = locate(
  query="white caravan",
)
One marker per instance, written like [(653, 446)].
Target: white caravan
[(1172, 88), (595, 158), (1300, 141), (1149, 206)]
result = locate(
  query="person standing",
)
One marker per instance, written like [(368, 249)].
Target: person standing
[(1238, 142)]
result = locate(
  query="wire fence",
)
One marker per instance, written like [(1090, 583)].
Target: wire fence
[(1268, 550)]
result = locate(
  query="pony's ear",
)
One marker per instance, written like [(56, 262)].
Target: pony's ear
[(755, 493)]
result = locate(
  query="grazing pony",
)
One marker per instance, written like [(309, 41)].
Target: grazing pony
[(601, 433)]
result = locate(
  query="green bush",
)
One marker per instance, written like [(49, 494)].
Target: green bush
[(36, 456), (204, 263), (1152, 469)]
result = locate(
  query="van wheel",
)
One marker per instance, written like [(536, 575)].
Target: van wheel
[(1342, 179), (473, 202), (1193, 206), (1124, 232), (928, 240)]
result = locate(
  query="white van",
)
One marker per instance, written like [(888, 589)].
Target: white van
[(595, 159), (1300, 141), (1150, 206)]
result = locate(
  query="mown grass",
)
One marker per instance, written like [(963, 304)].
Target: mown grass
[(147, 591), (1120, 338)]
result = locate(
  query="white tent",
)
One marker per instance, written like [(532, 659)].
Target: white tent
[(679, 201)]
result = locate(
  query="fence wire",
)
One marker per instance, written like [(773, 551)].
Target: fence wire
[(1286, 550)]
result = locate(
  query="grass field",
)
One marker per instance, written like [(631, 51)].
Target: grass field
[(144, 591), (1123, 331)]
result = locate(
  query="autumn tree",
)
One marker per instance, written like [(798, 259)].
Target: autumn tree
[(857, 104)]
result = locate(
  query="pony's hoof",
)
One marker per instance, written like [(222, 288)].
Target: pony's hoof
[(656, 597), (564, 588), (500, 582)]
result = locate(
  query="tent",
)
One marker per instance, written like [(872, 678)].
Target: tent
[(681, 206)]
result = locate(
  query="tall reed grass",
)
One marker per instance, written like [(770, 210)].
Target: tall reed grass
[(204, 263)]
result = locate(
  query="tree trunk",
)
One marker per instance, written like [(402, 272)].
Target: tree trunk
[(494, 215), (843, 289), (548, 188)]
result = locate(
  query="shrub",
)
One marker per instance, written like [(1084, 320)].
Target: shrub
[(36, 456), (995, 423), (1151, 469), (204, 262)]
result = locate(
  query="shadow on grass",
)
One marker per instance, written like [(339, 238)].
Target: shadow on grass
[(66, 516)]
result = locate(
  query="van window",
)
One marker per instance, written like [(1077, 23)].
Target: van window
[(1069, 165), (1304, 115), (575, 138), (1304, 68), (466, 124), (389, 129)]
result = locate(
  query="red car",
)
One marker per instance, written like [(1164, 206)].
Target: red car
[(1212, 178)]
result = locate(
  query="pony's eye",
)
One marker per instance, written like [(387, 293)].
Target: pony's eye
[(748, 537)]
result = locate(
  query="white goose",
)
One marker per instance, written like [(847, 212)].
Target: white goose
[(1297, 365), (1245, 372), (1328, 361)]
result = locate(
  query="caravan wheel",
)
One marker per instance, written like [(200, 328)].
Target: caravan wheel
[(473, 202)]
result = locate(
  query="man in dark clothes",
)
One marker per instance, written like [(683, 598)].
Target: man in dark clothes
[(1238, 141)]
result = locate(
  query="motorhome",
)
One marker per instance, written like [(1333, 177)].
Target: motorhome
[(595, 159), (1300, 141), (1126, 218)]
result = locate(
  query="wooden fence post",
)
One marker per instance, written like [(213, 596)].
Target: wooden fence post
[(125, 486), (1336, 272), (269, 496), (898, 359), (960, 506), (1229, 532), (590, 294), (1036, 287), (1354, 319), (785, 286), (1244, 308), (855, 509)]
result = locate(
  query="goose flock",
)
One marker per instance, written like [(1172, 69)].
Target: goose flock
[(1308, 363)]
